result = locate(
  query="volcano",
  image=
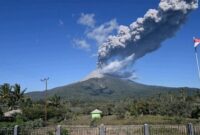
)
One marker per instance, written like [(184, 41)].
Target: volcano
[(106, 88)]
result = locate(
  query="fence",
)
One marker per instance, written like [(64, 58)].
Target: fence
[(37, 131), (106, 130), (6, 131), (125, 130)]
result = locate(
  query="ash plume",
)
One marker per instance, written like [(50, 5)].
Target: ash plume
[(117, 55)]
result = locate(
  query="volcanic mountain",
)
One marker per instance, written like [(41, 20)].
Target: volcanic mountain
[(106, 88)]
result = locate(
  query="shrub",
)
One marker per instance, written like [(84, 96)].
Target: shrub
[(178, 120), (34, 124), (34, 112), (19, 119), (196, 113), (94, 122), (64, 132)]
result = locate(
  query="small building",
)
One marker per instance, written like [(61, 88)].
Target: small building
[(12, 113), (96, 114)]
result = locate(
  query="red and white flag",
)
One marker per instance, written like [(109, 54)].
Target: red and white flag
[(196, 42)]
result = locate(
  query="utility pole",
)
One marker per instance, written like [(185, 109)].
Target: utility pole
[(45, 80)]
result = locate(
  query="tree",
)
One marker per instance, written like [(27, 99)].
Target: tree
[(182, 94), (34, 112), (55, 101), (18, 94), (5, 93), (196, 113), (5, 90), (11, 95)]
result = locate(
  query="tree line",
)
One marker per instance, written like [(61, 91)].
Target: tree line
[(170, 104)]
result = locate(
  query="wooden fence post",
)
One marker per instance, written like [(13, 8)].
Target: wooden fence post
[(16, 130), (190, 129), (102, 130), (58, 130), (146, 129)]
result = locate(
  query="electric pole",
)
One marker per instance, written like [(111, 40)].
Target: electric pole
[(45, 80)]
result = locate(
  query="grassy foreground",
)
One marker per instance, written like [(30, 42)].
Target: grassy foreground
[(113, 120)]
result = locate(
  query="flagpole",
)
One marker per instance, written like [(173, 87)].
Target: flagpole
[(197, 60)]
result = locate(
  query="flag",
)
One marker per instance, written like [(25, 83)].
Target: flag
[(196, 42)]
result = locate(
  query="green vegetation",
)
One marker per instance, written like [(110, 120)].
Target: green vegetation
[(170, 107), (11, 96), (106, 89)]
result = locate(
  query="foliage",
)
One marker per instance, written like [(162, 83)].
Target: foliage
[(34, 112), (107, 89), (196, 113), (64, 132), (10, 95), (176, 105), (55, 101), (50, 133), (55, 112), (33, 124), (37, 111), (94, 122)]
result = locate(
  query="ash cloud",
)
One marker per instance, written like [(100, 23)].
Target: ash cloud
[(145, 35)]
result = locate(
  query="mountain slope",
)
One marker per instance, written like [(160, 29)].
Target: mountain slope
[(105, 88)]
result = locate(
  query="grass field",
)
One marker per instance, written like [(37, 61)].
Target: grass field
[(113, 120)]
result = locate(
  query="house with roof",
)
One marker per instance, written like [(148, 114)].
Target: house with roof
[(96, 114)]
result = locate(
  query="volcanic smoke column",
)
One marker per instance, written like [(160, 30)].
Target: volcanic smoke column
[(143, 36)]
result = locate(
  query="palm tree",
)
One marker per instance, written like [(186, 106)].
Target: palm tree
[(18, 94), (5, 91), (5, 94), (11, 95)]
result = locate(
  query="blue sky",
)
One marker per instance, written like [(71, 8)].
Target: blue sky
[(37, 39)]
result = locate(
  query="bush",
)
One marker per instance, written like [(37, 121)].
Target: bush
[(19, 119), (178, 120), (94, 122), (50, 133), (196, 113), (64, 132), (34, 112), (34, 124), (7, 124)]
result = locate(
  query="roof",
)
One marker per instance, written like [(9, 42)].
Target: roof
[(11, 113), (96, 111)]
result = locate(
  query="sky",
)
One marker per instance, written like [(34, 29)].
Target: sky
[(59, 39)]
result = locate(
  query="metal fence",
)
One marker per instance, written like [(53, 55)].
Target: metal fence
[(106, 130), (197, 130), (37, 131), (168, 130), (81, 130), (6, 131), (125, 130)]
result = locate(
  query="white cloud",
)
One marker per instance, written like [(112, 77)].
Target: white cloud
[(87, 20), (100, 33), (81, 44), (97, 33)]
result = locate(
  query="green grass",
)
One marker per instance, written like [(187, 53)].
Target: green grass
[(8, 124), (113, 120)]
